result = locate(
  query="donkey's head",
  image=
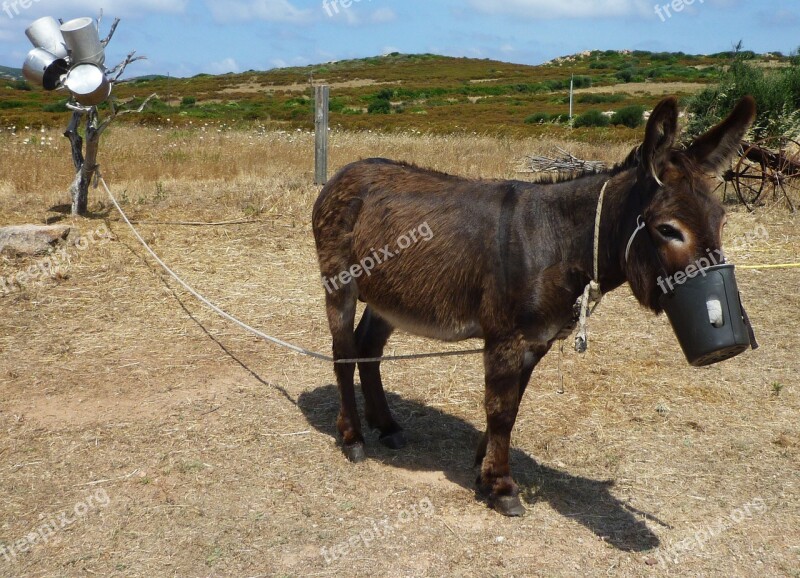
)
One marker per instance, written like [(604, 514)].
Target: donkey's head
[(672, 198)]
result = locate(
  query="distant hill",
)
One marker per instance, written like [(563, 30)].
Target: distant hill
[(419, 92), (10, 73)]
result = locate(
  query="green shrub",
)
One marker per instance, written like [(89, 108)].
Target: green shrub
[(777, 94), (60, 106), (6, 104), (537, 118), (582, 81), (625, 75), (336, 104), (630, 116), (188, 101), (379, 106), (591, 118), (597, 98)]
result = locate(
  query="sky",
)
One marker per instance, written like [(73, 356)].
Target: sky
[(187, 37)]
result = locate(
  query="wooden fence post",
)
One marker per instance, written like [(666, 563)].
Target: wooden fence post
[(321, 97)]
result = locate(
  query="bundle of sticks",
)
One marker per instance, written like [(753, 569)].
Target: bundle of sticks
[(566, 162)]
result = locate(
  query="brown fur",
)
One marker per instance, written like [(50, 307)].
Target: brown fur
[(505, 263)]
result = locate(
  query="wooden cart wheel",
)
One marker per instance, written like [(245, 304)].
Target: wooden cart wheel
[(750, 176), (729, 176), (784, 173), (725, 178)]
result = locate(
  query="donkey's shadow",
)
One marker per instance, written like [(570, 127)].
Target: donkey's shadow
[(441, 442)]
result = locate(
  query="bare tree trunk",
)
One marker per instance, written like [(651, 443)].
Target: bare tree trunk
[(86, 163), (85, 166)]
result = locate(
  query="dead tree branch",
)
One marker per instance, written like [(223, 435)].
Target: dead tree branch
[(116, 114), (107, 39), (119, 69)]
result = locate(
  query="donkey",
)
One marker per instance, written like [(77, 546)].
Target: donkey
[(505, 262)]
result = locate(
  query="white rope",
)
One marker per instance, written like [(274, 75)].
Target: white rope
[(640, 224), (591, 293), (261, 334), (596, 244)]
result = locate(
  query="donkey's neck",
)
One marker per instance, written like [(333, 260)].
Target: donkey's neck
[(617, 222)]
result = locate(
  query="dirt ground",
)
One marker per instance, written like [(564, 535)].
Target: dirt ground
[(142, 435), (651, 88)]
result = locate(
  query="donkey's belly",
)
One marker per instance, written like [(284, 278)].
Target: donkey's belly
[(450, 331)]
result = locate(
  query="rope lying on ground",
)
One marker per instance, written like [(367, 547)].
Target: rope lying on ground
[(776, 266), (302, 350), (256, 332)]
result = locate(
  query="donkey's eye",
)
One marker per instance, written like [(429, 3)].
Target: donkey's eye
[(670, 232)]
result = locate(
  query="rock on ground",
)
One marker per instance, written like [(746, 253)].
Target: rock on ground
[(21, 240)]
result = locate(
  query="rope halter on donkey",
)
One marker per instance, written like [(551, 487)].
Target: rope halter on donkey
[(591, 294)]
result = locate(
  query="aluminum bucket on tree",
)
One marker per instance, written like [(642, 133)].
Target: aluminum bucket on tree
[(46, 33), (45, 69), (707, 316), (88, 84), (83, 41)]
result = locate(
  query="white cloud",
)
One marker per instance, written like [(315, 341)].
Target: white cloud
[(223, 66), (382, 16), (269, 10), (546, 9), (111, 8), (14, 18), (777, 18), (132, 7), (353, 14)]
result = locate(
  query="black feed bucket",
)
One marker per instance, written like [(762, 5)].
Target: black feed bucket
[(707, 316)]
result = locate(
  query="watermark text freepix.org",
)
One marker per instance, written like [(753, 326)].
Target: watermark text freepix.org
[(715, 257), (666, 11), (674, 552), (331, 7), (12, 7), (49, 528), (377, 531), (53, 265), (376, 257)]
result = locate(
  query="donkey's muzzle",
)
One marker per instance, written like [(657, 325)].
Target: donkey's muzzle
[(707, 316)]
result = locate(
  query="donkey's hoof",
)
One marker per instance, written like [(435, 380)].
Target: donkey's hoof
[(355, 452), (394, 441), (510, 506)]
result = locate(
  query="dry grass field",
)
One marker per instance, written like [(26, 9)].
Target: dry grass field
[(143, 436)]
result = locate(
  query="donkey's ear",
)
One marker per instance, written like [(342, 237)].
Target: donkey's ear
[(659, 136), (714, 150)]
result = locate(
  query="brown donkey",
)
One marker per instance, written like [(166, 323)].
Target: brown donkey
[(504, 261)]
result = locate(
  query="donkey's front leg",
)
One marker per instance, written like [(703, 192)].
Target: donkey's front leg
[(503, 363)]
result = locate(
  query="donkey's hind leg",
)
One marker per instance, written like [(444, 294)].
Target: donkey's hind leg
[(341, 310), (371, 336)]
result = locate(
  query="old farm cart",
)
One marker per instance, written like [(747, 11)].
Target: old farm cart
[(772, 164)]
